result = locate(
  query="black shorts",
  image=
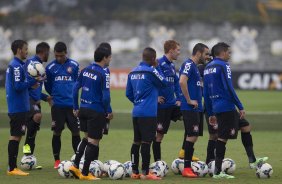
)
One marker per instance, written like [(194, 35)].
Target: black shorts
[(193, 123), (62, 115), (92, 122), (165, 116), (18, 123), (228, 124), (35, 108), (243, 122), (144, 129)]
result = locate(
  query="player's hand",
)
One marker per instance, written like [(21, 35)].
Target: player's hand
[(110, 116), (50, 100), (36, 85), (161, 99), (242, 114), (212, 120), (178, 103), (41, 78), (75, 112), (194, 103)]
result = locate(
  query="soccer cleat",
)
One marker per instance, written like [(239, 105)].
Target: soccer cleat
[(135, 176), (56, 164), (181, 156), (188, 172), (257, 162), (149, 176), (39, 167), (17, 172), (75, 172), (26, 149), (89, 177), (222, 175)]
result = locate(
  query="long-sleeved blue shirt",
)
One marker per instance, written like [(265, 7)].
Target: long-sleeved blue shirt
[(60, 81), (95, 83), (17, 84), (35, 94), (171, 92), (189, 69), (142, 89), (219, 93)]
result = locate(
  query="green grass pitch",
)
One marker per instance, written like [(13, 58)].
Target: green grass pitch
[(267, 137)]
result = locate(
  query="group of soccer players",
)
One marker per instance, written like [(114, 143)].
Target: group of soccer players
[(154, 88)]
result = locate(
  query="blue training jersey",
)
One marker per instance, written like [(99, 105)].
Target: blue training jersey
[(95, 84), (60, 81), (17, 84), (35, 94), (171, 92), (142, 89), (219, 93), (189, 69)]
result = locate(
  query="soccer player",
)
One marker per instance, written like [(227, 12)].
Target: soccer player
[(35, 95), (94, 109), (142, 88), (61, 75), (17, 96), (243, 124), (168, 100), (191, 103)]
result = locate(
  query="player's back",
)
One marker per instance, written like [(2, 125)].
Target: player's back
[(142, 89), (218, 84), (93, 80)]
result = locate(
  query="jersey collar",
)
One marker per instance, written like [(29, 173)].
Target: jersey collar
[(18, 60), (143, 63)]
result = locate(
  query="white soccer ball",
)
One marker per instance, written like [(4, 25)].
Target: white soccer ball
[(63, 169), (200, 168), (94, 169), (128, 168), (116, 171), (35, 69), (101, 165), (211, 167), (264, 170), (28, 162), (73, 158), (228, 166), (177, 166), (107, 165), (159, 168)]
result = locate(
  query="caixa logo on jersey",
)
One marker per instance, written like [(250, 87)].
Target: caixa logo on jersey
[(63, 78), (258, 80)]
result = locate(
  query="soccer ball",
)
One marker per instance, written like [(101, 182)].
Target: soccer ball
[(107, 165), (200, 168), (159, 168), (177, 166), (28, 162), (63, 169), (35, 69), (81, 163), (264, 170), (211, 167), (101, 165), (94, 169), (128, 168), (228, 166), (116, 171)]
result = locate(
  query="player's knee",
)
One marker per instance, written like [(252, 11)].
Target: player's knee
[(15, 138), (93, 141), (37, 117), (159, 137), (75, 133), (192, 138), (57, 133), (137, 143), (246, 128), (213, 137)]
